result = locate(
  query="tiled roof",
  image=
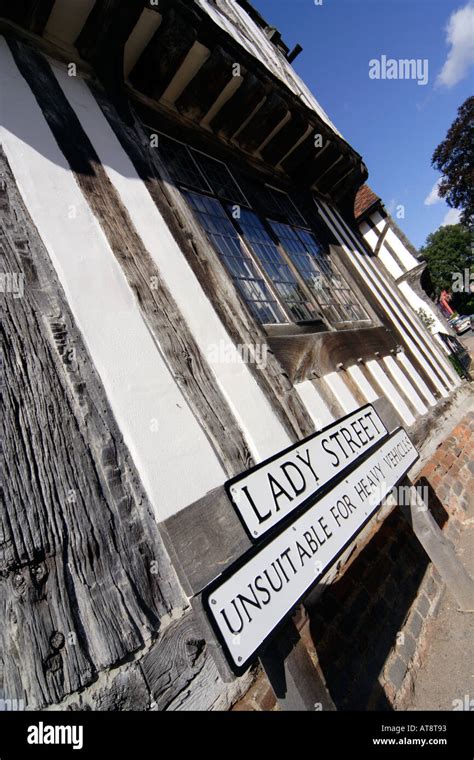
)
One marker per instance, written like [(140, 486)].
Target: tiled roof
[(365, 198)]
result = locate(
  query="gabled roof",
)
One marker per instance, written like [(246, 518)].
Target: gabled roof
[(365, 199)]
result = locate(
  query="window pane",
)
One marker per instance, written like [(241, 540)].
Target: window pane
[(242, 269), (219, 178), (330, 288), (278, 205), (275, 266), (180, 163)]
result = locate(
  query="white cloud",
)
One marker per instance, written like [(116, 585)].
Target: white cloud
[(452, 217), (460, 35), (433, 196)]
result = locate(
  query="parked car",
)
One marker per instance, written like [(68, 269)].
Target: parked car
[(461, 324), (458, 354)]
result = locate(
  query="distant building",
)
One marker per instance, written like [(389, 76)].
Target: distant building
[(398, 256)]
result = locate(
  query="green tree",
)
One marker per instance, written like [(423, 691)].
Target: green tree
[(448, 255), (454, 158)]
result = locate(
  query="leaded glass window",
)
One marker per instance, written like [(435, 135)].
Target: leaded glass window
[(339, 304), (222, 233), (181, 164), (219, 178), (275, 266)]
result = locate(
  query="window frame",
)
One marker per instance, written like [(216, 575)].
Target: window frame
[(266, 221)]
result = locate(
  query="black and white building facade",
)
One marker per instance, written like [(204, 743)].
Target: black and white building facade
[(197, 296)]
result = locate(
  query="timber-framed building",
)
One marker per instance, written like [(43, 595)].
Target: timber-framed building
[(187, 292)]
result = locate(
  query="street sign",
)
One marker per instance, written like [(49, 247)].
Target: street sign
[(253, 597), (269, 492)]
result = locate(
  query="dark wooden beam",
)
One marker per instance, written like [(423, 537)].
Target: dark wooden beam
[(334, 174), (102, 42), (240, 106), (303, 155), (204, 539), (308, 354), (323, 161), (263, 123), (159, 309), (78, 532), (284, 140), (206, 86), (164, 54)]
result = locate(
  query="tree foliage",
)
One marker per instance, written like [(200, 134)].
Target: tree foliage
[(454, 158), (448, 255)]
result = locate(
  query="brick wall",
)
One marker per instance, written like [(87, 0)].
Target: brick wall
[(371, 626)]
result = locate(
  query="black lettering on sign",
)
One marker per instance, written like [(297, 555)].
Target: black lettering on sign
[(273, 489)]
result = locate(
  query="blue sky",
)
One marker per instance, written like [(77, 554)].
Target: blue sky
[(394, 124)]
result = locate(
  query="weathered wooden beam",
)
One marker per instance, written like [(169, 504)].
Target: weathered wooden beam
[(84, 577), (210, 271), (204, 540), (306, 354), (263, 123), (206, 86), (142, 33), (306, 152), (322, 164), (160, 312), (102, 43), (240, 106), (180, 668), (163, 55), (282, 142), (332, 176)]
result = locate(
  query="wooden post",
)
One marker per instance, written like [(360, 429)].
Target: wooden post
[(439, 550), (297, 683)]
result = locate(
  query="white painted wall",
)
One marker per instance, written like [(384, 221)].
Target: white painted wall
[(264, 433), (335, 382), (390, 391), (416, 378), (390, 263), (379, 220), (404, 384), (406, 257), (315, 405), (425, 352), (370, 236), (176, 463), (418, 303), (363, 384)]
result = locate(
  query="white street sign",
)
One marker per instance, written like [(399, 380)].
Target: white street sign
[(273, 489), (246, 606)]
